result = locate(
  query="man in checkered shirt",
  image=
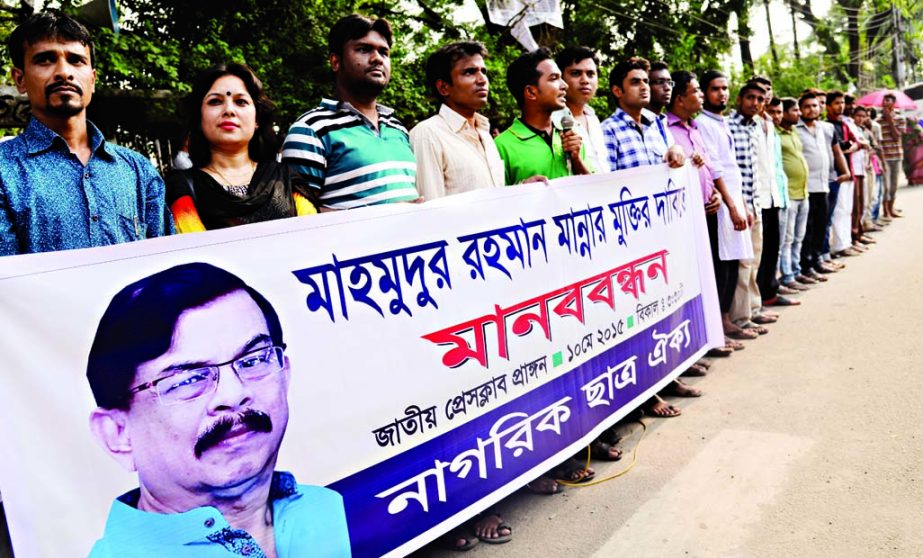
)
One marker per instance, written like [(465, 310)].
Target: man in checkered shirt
[(744, 128), (634, 135)]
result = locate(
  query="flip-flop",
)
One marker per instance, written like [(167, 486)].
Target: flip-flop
[(742, 334), (762, 319), (706, 364), (780, 300), (449, 541), (671, 411), (694, 371), (602, 451), (500, 539), (734, 345), (570, 468), (758, 329), (534, 487), (680, 389), (718, 352)]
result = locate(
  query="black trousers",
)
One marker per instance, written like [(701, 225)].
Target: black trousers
[(725, 271), (769, 263), (816, 231)]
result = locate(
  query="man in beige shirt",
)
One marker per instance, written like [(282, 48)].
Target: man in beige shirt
[(456, 154), (454, 150)]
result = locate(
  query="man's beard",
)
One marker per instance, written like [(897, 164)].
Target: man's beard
[(717, 109), (366, 87), (71, 105), (66, 110), (255, 421)]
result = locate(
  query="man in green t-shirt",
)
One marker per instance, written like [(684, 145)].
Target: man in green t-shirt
[(531, 148), (796, 171)]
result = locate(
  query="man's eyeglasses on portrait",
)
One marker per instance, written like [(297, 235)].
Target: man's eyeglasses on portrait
[(187, 384)]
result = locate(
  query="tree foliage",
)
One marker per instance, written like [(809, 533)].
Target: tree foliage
[(165, 43)]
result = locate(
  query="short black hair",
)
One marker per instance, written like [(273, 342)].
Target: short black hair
[(356, 26), (789, 102), (524, 71), (710, 76), (659, 65), (857, 108), (775, 101), (139, 323), (761, 79), (833, 95), (618, 73), (440, 63), (751, 86), (51, 24), (873, 113), (681, 80), (262, 146), (890, 95), (575, 54), (808, 94), (849, 99)]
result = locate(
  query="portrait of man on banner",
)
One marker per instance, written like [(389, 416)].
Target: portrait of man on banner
[(189, 372)]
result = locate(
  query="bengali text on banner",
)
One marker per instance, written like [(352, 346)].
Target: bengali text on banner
[(438, 356)]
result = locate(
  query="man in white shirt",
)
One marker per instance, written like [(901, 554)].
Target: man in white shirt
[(456, 154), (454, 150), (772, 194), (580, 70), (733, 237)]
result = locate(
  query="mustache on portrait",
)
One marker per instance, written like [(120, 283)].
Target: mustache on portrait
[(253, 420), (63, 85)]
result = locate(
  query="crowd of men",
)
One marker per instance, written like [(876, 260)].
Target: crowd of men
[(791, 185)]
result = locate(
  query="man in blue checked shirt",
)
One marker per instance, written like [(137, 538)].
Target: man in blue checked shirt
[(62, 185), (634, 135)]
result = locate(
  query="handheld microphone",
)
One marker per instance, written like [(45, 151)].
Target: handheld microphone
[(567, 124)]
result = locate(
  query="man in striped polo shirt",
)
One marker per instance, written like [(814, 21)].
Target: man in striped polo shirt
[(352, 149)]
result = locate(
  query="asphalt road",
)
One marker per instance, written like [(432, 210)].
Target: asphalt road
[(807, 443)]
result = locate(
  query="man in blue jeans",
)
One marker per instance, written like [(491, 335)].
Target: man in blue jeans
[(796, 171)]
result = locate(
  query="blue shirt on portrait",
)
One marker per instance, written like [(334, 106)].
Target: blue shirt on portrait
[(307, 521), (49, 200)]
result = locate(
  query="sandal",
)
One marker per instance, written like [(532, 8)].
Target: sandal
[(742, 334), (734, 345), (603, 451), (718, 352), (662, 409), (763, 319), (545, 486), (679, 389), (573, 471), (694, 371), (758, 329), (450, 540), (493, 519)]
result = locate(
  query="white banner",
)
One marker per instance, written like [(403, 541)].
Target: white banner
[(412, 333)]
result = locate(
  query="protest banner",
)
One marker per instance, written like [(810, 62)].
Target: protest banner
[(441, 355)]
